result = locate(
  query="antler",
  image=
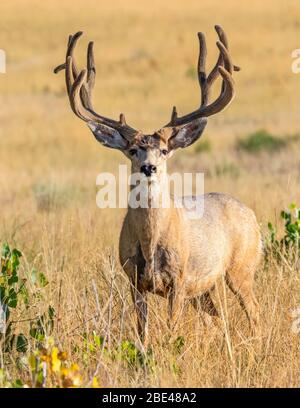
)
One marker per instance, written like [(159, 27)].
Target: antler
[(79, 88), (225, 68)]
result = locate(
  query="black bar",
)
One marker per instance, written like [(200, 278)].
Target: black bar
[(151, 396)]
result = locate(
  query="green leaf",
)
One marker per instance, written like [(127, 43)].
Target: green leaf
[(5, 250), (179, 344), (13, 279), (43, 280), (18, 384), (22, 343), (12, 300)]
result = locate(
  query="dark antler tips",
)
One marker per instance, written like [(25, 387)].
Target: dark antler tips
[(78, 34), (122, 119), (174, 115), (59, 68), (201, 38)]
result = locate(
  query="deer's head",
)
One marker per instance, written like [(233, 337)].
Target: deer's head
[(149, 153)]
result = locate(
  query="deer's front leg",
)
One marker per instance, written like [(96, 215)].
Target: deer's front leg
[(148, 251), (141, 307), (175, 306)]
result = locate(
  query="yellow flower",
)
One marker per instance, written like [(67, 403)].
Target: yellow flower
[(74, 367), (55, 361), (64, 371), (95, 383)]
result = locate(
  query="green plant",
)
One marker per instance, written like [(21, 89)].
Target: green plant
[(202, 147), (11, 292), (227, 169), (14, 292), (291, 237), (191, 72), (261, 140)]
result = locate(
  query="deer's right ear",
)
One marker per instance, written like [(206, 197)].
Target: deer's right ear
[(187, 134), (107, 136)]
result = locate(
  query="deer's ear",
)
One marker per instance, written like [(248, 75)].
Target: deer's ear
[(107, 136), (187, 134)]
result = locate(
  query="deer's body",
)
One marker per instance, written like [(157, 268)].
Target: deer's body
[(163, 250), (195, 251), (191, 254)]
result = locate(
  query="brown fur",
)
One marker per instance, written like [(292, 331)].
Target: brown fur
[(164, 252)]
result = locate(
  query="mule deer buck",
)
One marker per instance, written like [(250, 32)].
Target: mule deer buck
[(161, 250)]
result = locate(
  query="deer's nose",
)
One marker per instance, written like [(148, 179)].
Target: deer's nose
[(148, 169)]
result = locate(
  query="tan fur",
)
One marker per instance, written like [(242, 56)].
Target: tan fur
[(164, 252)]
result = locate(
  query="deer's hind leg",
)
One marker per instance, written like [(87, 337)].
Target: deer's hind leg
[(141, 307), (175, 307), (241, 285), (204, 305)]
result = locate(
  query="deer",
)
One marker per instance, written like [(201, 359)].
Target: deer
[(161, 250)]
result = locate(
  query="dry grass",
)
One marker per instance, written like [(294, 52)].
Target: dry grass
[(145, 59)]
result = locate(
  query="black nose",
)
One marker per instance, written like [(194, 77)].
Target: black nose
[(148, 169)]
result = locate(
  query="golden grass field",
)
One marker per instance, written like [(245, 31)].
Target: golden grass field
[(145, 58)]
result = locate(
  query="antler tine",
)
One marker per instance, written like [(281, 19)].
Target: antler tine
[(214, 72), (79, 89), (86, 90), (74, 95), (201, 68), (225, 68), (174, 115), (228, 65), (87, 87), (91, 73), (70, 49)]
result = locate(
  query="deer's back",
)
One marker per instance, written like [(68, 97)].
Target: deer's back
[(226, 236)]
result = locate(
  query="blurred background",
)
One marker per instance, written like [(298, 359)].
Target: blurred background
[(146, 56)]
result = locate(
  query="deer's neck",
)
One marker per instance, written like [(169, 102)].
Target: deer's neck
[(151, 217)]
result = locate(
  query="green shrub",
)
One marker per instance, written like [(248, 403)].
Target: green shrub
[(191, 72), (290, 242), (261, 140), (204, 146), (227, 169), (14, 293)]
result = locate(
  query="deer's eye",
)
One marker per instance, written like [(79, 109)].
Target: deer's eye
[(132, 152), (164, 152)]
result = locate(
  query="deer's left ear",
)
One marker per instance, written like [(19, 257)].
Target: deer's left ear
[(107, 136), (187, 134)]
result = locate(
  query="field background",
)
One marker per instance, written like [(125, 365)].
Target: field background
[(146, 55)]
